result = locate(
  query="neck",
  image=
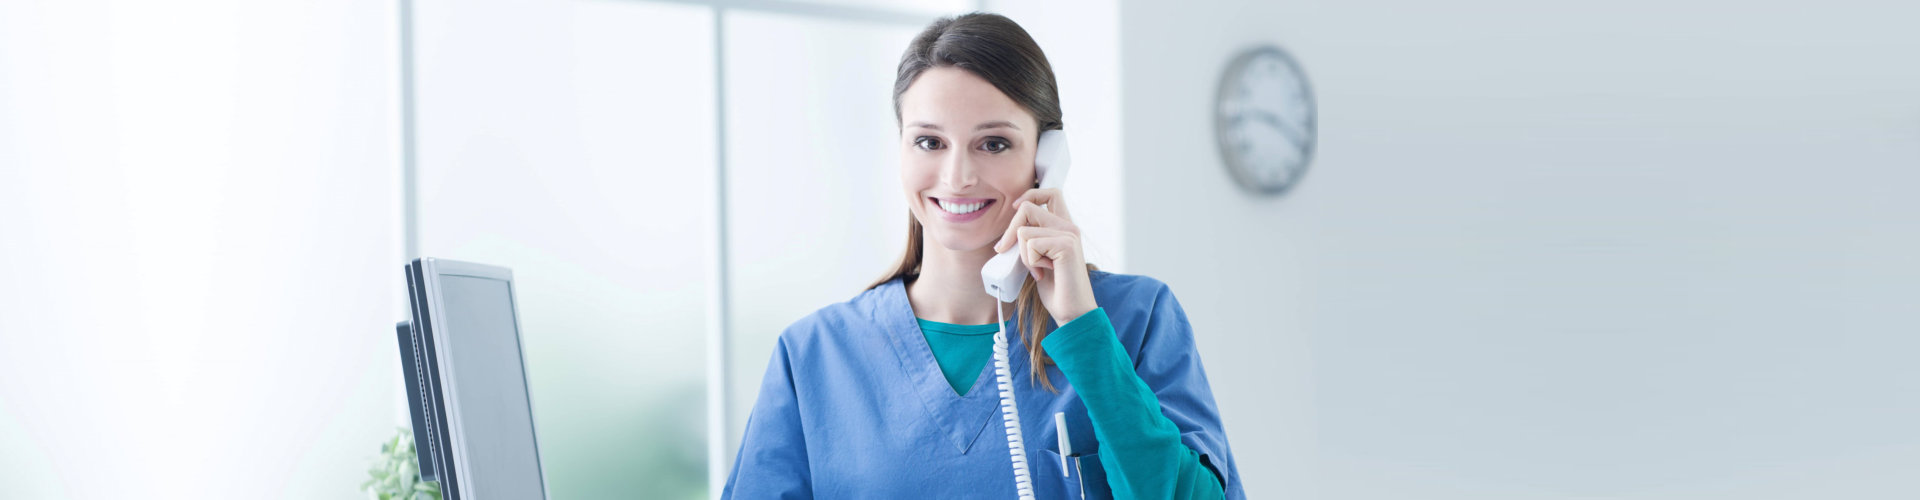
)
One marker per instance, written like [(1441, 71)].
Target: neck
[(949, 289)]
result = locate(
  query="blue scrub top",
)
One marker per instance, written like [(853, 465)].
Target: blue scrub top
[(854, 405)]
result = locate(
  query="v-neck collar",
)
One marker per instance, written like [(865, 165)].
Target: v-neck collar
[(961, 418)]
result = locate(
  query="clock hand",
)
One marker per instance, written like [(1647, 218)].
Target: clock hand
[(1294, 135)]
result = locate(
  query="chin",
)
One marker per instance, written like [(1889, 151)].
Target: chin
[(984, 245), (960, 242)]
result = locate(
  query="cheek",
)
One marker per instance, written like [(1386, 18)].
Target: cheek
[(916, 177), (1011, 177)]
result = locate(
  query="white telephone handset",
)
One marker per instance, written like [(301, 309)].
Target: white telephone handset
[(1003, 276)]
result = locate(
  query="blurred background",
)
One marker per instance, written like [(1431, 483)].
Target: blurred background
[(1623, 250)]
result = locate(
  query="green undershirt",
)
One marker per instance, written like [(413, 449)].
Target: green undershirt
[(961, 350)]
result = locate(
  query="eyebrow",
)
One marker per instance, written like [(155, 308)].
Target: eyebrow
[(983, 126)]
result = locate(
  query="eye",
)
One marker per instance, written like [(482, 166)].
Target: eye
[(996, 145), (927, 142)]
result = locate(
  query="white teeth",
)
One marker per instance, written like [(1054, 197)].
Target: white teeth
[(959, 209)]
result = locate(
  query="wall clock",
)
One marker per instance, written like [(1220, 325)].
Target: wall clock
[(1265, 120)]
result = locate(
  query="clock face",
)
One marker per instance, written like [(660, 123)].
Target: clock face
[(1264, 119)]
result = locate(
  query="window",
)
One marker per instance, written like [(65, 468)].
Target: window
[(574, 142)]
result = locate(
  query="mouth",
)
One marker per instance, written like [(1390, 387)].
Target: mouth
[(962, 209)]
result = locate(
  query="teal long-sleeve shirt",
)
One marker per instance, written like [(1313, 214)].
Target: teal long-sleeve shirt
[(1141, 447)]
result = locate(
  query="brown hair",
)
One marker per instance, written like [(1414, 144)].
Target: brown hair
[(1000, 52)]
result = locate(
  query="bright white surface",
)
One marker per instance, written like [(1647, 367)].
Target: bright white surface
[(566, 152), (198, 248), (1645, 250)]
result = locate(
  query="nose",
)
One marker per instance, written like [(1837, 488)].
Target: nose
[(957, 171)]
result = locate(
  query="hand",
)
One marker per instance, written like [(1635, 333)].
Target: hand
[(1050, 247)]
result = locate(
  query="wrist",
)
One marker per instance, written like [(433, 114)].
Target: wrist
[(1061, 318)]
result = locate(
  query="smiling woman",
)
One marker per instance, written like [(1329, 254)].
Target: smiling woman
[(881, 396), (985, 77)]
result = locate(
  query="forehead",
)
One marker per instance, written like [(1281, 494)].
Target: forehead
[(953, 97)]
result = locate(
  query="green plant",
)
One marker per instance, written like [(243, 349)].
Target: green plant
[(396, 475)]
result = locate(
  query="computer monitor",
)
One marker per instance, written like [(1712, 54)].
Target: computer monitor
[(470, 383), (423, 438)]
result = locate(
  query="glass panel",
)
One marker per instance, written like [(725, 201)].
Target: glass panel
[(574, 143), (814, 207)]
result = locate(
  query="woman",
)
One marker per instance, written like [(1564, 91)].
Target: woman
[(887, 395)]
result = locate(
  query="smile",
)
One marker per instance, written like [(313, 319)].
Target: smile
[(962, 209)]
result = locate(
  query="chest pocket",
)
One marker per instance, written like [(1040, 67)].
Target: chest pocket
[(1083, 475)]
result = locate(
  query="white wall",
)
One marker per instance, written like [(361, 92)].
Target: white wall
[(198, 248), (1645, 250)]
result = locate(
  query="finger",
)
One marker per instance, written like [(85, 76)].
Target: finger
[(1031, 215), (1039, 216), (1009, 237), (1038, 268), (1044, 253), (1024, 241), (1053, 198), (1050, 245)]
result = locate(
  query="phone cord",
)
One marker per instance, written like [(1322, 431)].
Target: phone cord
[(1016, 446)]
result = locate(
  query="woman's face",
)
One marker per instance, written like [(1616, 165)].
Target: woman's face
[(966, 155)]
